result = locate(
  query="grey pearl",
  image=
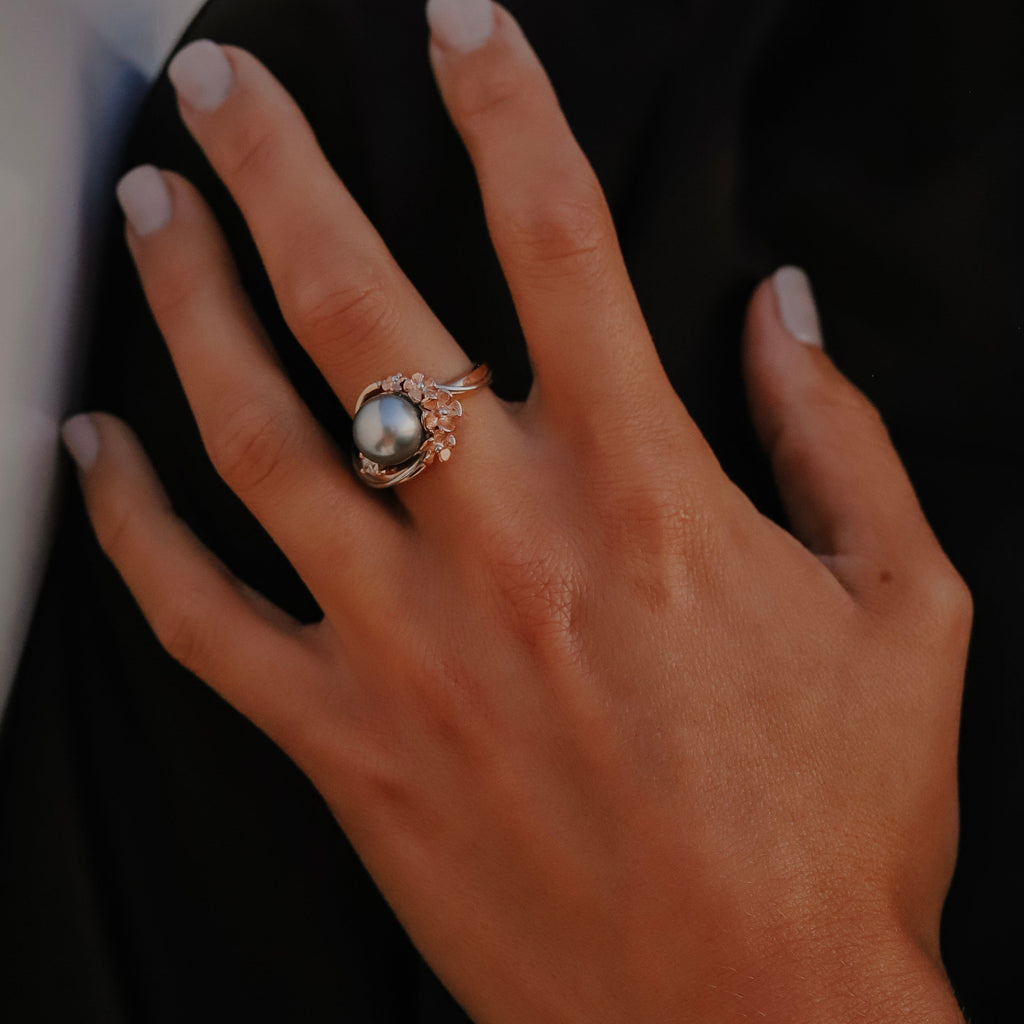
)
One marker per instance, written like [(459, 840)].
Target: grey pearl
[(387, 429)]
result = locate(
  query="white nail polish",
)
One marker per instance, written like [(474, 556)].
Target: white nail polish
[(796, 305), (201, 74), (81, 440), (461, 25), (144, 197)]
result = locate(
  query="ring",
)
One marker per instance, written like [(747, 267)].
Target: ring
[(403, 424)]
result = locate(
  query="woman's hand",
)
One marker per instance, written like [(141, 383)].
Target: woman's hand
[(614, 746)]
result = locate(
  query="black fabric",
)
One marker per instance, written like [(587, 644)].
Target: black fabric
[(160, 860)]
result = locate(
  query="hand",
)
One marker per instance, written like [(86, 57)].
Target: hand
[(613, 745)]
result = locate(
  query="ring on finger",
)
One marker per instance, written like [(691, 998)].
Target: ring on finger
[(403, 424)]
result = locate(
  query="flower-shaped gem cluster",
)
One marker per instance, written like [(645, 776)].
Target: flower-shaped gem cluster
[(439, 412)]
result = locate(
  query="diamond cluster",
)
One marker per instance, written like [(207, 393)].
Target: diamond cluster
[(439, 413)]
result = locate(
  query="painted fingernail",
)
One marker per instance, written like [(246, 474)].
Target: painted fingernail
[(82, 440), (796, 305), (461, 25), (144, 197), (201, 74)]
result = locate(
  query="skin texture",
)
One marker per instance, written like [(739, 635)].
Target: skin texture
[(637, 753)]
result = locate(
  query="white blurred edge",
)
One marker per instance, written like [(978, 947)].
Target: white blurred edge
[(72, 75)]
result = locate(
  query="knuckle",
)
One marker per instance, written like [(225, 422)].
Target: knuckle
[(251, 150), (352, 313), (850, 422), (451, 703), (174, 287), (486, 91), (250, 448), (384, 787), (840, 398), (666, 529), (538, 589), (795, 452), (376, 780), (116, 529), (841, 402), (570, 232), (945, 599), (183, 633), (177, 620)]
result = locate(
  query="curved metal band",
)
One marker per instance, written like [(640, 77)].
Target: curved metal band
[(479, 377), (379, 483)]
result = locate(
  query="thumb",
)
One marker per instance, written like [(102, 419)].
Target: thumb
[(844, 488)]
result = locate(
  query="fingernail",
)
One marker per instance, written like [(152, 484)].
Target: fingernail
[(81, 440), (144, 199), (796, 305), (461, 25), (201, 74)]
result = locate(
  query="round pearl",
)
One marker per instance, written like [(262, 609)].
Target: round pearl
[(387, 429)]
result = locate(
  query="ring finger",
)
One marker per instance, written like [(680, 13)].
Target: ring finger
[(260, 436), (339, 289)]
